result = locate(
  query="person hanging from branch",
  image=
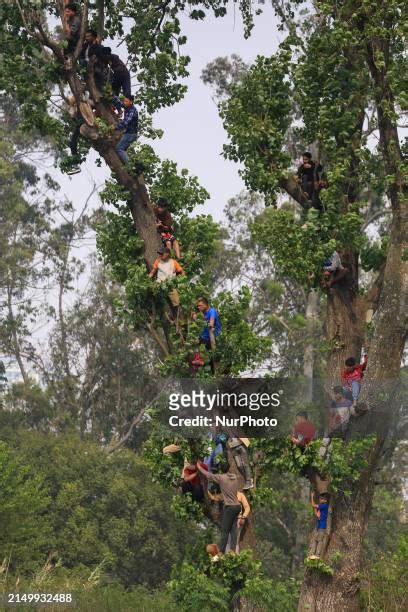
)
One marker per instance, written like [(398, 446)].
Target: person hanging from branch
[(191, 482), (164, 224)]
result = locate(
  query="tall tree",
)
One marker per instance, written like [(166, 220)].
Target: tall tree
[(349, 64)]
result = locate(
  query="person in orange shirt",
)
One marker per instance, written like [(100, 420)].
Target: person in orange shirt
[(164, 269)]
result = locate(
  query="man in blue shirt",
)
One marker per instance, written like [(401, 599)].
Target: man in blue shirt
[(321, 511), (129, 124), (212, 328), (210, 332)]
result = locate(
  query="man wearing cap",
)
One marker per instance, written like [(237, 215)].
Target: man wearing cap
[(129, 124), (165, 268)]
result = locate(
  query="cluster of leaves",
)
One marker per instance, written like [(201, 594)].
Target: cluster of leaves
[(87, 505), (344, 463), (299, 250), (256, 117), (320, 566), (385, 582), (24, 501)]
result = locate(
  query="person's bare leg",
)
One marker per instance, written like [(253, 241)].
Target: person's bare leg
[(176, 247)]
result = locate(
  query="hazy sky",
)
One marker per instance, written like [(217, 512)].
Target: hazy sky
[(193, 133)]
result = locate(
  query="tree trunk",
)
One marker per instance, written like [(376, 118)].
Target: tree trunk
[(345, 324), (312, 313)]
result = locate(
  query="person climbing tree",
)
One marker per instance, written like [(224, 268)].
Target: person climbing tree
[(351, 377), (318, 540), (72, 27), (164, 224), (228, 483), (333, 269), (306, 175), (164, 269), (218, 453), (304, 431), (340, 412), (79, 120), (129, 124), (238, 447), (120, 74)]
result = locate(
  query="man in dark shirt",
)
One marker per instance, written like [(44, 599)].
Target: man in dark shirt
[(72, 27), (129, 124), (90, 46), (306, 175), (120, 74)]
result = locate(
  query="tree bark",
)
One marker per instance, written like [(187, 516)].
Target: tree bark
[(312, 313)]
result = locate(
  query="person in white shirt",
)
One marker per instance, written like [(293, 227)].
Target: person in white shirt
[(165, 268)]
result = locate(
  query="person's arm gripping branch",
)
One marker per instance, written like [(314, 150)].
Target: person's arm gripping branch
[(129, 116), (246, 508), (208, 475), (153, 271), (314, 505), (189, 477)]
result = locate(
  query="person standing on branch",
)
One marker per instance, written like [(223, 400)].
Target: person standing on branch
[(212, 328), (228, 483), (72, 27), (321, 511), (129, 124)]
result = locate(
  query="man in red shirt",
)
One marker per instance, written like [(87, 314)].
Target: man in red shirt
[(191, 482), (304, 431)]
